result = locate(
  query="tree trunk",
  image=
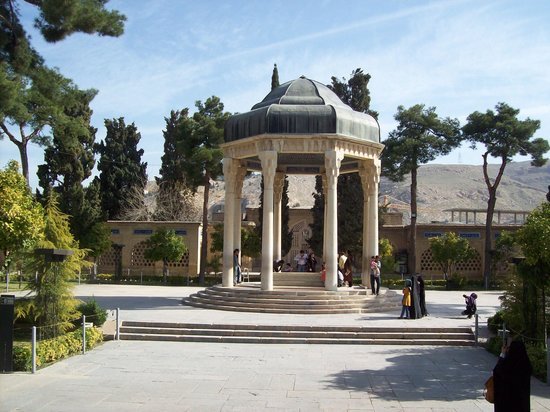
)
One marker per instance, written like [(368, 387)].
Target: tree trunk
[(412, 234), (488, 241), (204, 242), (492, 188), (165, 271)]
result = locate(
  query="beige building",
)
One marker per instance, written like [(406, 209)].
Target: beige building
[(129, 246)]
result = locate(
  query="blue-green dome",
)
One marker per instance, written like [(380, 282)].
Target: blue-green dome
[(302, 107)]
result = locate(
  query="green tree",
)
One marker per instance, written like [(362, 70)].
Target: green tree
[(524, 302), (385, 251), (421, 135), (32, 95), (37, 101), (54, 303), (70, 161), (21, 217), (175, 200), (165, 245), (503, 136), (449, 249), (275, 77), (122, 174), (201, 137), (355, 91)]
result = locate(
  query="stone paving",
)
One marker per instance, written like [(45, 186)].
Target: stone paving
[(191, 376)]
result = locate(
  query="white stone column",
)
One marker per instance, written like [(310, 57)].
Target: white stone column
[(269, 165), (229, 172), (366, 251), (277, 214), (333, 158), (373, 208), (324, 182), (237, 221)]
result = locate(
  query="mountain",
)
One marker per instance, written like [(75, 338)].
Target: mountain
[(440, 187)]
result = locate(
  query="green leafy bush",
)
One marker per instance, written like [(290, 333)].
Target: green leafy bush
[(93, 312), (52, 350), (494, 323)]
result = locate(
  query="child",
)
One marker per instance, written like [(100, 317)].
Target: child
[(406, 301), (471, 306)]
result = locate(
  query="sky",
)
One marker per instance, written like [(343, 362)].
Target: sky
[(459, 56)]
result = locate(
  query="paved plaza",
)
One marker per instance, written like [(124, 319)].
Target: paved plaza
[(192, 376)]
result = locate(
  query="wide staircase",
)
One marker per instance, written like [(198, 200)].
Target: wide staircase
[(295, 334), (248, 297)]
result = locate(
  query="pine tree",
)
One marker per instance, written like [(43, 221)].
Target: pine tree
[(421, 135), (33, 96), (122, 174), (201, 137), (503, 136)]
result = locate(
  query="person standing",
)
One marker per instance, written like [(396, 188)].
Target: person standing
[(348, 270), (312, 262), (375, 266), (237, 274), (422, 295), (512, 379), (406, 301), (301, 261)]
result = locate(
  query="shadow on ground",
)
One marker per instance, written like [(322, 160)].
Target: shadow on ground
[(135, 302), (420, 374)]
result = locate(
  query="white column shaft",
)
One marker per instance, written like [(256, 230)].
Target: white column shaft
[(277, 215), (332, 166), (229, 175), (269, 165)]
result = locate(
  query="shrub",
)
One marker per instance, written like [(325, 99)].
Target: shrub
[(456, 282), (93, 312), (494, 323), (537, 356), (51, 350)]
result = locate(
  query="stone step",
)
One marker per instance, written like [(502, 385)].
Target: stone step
[(292, 310), (309, 304), (295, 334), (312, 328), (293, 300), (289, 302)]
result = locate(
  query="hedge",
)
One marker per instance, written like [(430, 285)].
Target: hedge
[(52, 350)]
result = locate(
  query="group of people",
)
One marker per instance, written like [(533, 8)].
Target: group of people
[(413, 303), (345, 269), (306, 262)]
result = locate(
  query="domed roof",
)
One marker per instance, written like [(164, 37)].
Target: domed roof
[(303, 107)]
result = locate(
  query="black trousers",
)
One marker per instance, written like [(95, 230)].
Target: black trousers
[(375, 284)]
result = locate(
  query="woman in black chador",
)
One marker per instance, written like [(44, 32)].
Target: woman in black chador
[(512, 376)]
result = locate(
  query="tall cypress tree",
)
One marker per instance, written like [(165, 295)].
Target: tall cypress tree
[(70, 161), (122, 174), (275, 77), (175, 200)]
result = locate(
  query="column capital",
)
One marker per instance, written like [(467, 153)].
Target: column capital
[(269, 164), (333, 159), (230, 168), (278, 185), (369, 171)]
